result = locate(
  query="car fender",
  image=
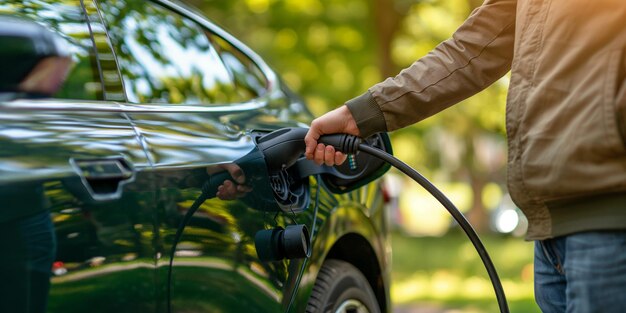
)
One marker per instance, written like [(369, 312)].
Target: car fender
[(350, 224)]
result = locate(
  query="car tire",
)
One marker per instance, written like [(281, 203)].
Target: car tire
[(340, 287)]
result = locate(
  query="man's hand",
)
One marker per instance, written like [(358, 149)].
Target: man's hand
[(339, 120), (231, 189)]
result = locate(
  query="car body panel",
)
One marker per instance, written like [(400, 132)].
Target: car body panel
[(215, 264), (113, 251), (359, 218), (97, 241)]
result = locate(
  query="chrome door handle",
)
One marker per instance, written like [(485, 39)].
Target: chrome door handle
[(104, 177)]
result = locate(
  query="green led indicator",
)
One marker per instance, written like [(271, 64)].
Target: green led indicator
[(352, 161)]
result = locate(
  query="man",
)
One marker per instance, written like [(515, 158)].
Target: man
[(566, 128)]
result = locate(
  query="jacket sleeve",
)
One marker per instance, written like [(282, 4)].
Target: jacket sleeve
[(479, 53)]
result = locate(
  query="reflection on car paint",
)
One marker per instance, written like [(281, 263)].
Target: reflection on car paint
[(66, 18), (180, 64), (222, 231), (112, 255)]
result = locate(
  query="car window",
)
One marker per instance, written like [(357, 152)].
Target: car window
[(67, 19), (247, 76), (167, 58)]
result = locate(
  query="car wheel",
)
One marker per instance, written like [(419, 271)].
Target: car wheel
[(340, 288)]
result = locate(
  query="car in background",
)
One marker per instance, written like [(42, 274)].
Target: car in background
[(131, 180)]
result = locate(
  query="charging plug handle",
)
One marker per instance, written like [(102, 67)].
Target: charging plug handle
[(342, 142)]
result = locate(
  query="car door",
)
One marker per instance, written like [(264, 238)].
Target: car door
[(77, 213), (196, 99)]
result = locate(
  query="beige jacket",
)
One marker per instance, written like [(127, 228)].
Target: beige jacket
[(566, 106)]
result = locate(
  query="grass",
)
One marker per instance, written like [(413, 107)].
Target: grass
[(446, 274)]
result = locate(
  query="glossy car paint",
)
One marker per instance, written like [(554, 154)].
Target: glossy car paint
[(113, 254), (96, 240)]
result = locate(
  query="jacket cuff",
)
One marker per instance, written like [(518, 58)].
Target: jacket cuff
[(367, 114)]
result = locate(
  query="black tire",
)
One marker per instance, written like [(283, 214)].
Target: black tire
[(340, 287)]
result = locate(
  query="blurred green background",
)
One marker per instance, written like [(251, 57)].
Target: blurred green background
[(329, 51)]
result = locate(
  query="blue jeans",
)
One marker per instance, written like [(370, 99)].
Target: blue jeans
[(584, 272), (27, 250)]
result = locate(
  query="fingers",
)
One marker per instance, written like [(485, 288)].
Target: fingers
[(242, 190), (235, 172), (318, 156), (230, 191), (327, 155), (227, 191), (339, 120), (340, 158), (310, 140)]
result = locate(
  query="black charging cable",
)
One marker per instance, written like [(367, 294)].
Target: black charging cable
[(351, 144), (206, 193)]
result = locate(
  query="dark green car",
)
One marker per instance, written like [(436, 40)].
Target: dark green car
[(131, 178)]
